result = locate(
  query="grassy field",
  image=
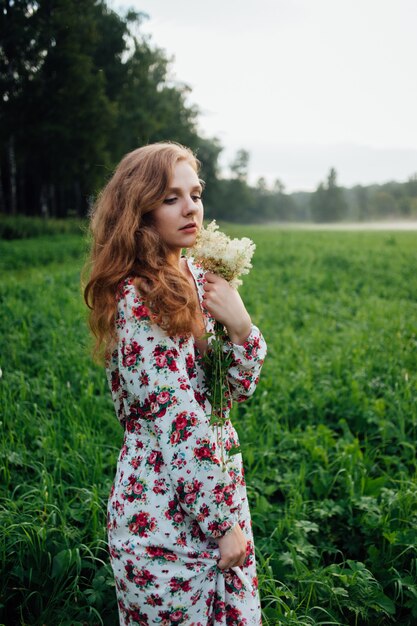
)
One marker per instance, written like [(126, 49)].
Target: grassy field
[(328, 439)]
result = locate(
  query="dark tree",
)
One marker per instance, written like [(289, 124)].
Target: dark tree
[(79, 90), (327, 202), (239, 166)]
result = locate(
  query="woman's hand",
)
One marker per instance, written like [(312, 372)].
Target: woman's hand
[(224, 303), (232, 548)]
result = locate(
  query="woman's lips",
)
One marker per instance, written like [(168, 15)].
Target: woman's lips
[(190, 228)]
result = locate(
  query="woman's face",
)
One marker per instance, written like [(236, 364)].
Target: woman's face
[(180, 216)]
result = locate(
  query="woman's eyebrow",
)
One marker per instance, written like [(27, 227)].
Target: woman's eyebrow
[(179, 191)]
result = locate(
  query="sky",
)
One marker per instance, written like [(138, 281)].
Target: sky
[(302, 85)]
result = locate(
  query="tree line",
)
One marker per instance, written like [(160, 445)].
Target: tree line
[(81, 86), (79, 90)]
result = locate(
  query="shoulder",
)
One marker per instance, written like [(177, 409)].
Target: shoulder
[(124, 288), (129, 299)]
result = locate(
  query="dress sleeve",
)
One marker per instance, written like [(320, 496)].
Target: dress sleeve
[(156, 374), (118, 393), (245, 369), (248, 358)]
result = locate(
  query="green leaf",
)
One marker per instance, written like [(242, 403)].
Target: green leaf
[(385, 603), (64, 560)]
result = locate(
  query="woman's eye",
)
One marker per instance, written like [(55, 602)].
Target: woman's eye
[(196, 198), (169, 200)]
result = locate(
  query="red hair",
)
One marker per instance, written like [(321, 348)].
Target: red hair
[(125, 244)]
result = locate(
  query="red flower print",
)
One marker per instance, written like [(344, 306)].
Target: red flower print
[(171, 356), (177, 616), (144, 379), (159, 486), (140, 312), (141, 577), (232, 615), (155, 460), (138, 618), (201, 399), (218, 529), (246, 383), (130, 359), (204, 510), (160, 360), (154, 550), (189, 361), (115, 380), (181, 421), (165, 358), (180, 583), (142, 518), (163, 397), (190, 498), (175, 437), (224, 526), (206, 452), (141, 523), (140, 581), (174, 511), (130, 353), (237, 583), (153, 600)]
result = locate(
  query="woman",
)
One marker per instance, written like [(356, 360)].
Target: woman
[(177, 523)]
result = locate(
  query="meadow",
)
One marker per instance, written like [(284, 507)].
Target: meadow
[(328, 439)]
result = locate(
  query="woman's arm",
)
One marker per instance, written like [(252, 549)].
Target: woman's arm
[(245, 369), (156, 377), (245, 340)]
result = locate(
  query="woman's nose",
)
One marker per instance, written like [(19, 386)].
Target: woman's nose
[(190, 206)]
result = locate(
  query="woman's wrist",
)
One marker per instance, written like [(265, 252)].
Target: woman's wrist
[(229, 530), (239, 334)]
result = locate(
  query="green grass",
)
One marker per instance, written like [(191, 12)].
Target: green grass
[(328, 439), (24, 227)]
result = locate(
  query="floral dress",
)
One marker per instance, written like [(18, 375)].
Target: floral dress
[(170, 498)]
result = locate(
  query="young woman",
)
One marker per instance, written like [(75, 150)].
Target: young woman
[(177, 523)]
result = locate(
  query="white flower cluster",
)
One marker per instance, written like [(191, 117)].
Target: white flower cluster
[(217, 253)]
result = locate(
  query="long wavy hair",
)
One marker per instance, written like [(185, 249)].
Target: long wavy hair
[(124, 243)]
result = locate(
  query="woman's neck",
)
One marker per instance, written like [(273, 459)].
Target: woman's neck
[(174, 258)]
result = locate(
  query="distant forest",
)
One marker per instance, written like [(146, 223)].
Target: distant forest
[(81, 86)]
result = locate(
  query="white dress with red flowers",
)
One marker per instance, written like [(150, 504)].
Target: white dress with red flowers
[(171, 498)]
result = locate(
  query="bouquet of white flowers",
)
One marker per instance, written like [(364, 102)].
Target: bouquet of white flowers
[(228, 258), (217, 253)]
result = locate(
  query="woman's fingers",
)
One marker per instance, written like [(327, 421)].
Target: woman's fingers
[(232, 548), (212, 278), (211, 286), (225, 564)]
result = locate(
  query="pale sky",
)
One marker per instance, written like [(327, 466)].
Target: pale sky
[(303, 85)]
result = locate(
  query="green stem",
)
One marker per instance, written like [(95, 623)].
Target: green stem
[(218, 384)]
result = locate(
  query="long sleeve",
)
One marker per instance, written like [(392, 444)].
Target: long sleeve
[(155, 372), (114, 382), (245, 369)]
